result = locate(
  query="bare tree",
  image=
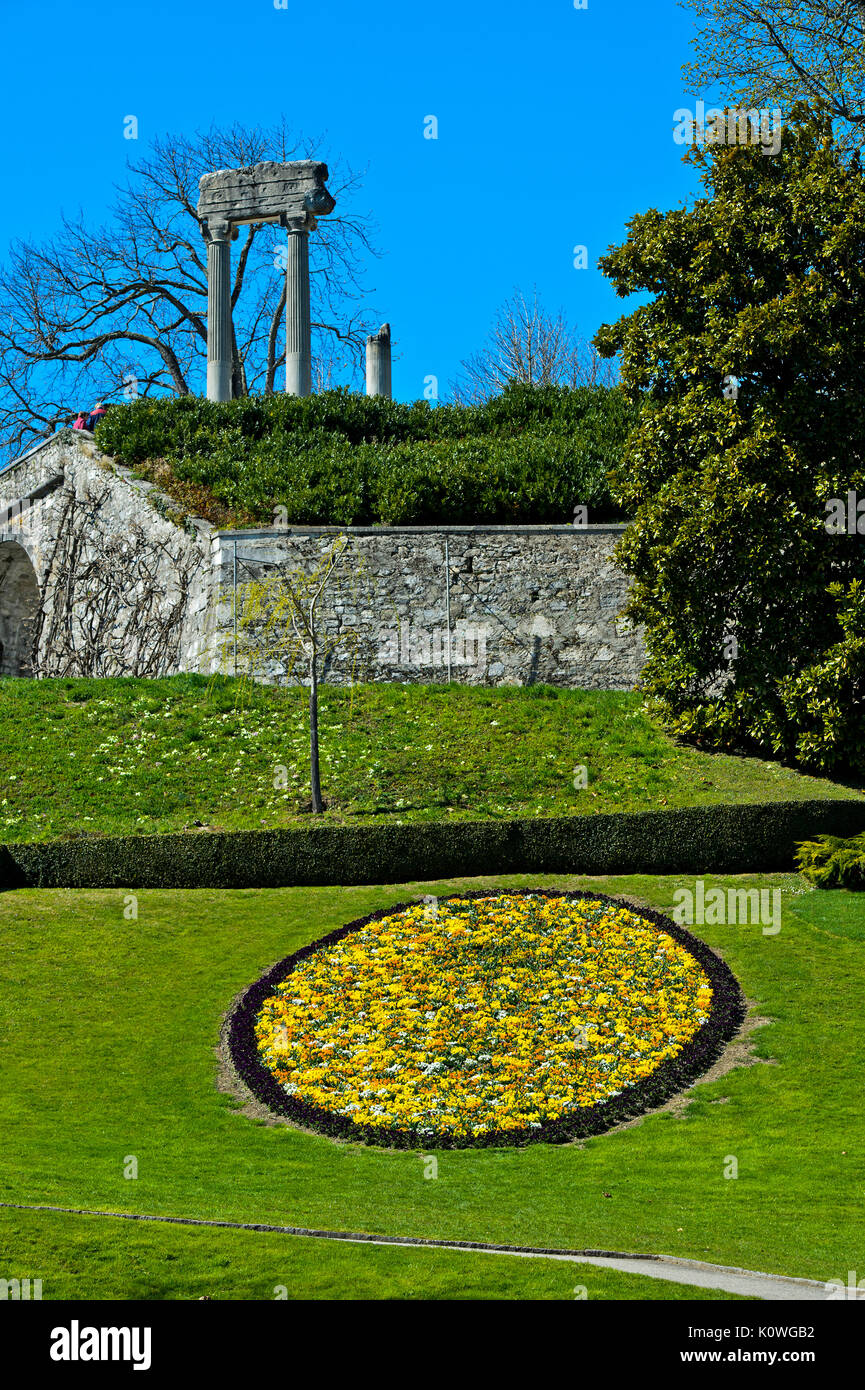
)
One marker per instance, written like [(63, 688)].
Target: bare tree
[(280, 623), (774, 52), (120, 310), (338, 362), (528, 344)]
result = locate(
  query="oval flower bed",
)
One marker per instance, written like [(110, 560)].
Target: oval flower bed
[(485, 1019)]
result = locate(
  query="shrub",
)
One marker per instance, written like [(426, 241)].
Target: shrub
[(832, 862), (530, 455), (705, 839)]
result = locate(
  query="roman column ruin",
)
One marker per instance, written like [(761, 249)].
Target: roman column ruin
[(293, 195), (219, 354), (378, 362), (298, 332)]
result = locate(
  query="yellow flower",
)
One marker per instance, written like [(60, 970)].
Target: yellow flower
[(410, 1023)]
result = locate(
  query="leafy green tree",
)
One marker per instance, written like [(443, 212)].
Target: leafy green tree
[(777, 52), (747, 364)]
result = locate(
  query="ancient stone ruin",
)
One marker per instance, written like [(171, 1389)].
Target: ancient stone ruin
[(378, 362), (293, 195), (102, 574)]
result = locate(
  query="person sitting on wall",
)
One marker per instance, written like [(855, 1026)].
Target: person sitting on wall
[(80, 420), (96, 415)]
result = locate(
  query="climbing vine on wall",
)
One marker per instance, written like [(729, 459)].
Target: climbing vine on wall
[(114, 601)]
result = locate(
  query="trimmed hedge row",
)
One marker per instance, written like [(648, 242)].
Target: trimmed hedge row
[(669, 1078), (529, 455), (705, 839)]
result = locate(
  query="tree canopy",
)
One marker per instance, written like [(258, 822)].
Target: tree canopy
[(777, 52), (747, 370)]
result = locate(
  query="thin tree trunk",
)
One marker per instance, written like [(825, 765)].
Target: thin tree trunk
[(313, 735)]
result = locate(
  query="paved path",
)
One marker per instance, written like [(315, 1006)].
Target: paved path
[(747, 1282)]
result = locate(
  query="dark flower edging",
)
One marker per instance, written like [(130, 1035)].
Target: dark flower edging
[(693, 1061)]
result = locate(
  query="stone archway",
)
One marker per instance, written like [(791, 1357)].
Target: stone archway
[(20, 602)]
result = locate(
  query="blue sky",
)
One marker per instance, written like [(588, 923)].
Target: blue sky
[(554, 127)]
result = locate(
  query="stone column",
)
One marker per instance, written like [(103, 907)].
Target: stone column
[(378, 362), (298, 329), (219, 311)]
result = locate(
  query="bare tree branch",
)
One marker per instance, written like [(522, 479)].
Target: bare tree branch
[(96, 312)]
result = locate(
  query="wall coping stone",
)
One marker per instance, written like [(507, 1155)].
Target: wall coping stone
[(554, 529), (51, 439)]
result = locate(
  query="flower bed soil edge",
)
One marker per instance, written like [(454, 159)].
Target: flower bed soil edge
[(674, 1075)]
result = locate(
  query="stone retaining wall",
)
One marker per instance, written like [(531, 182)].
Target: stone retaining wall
[(99, 583), (527, 604), (113, 580)]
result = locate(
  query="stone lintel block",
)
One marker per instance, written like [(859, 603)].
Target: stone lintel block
[(265, 192)]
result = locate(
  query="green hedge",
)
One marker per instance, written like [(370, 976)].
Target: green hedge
[(530, 455), (706, 839)]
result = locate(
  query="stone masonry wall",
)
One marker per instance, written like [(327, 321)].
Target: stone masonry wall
[(121, 589), (527, 604), (101, 575)]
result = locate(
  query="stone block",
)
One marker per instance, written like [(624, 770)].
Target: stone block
[(264, 192)]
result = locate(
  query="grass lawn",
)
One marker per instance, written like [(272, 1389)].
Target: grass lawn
[(124, 756), (85, 1257), (109, 1028)]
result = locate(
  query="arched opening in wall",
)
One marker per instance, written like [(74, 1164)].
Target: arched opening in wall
[(19, 610)]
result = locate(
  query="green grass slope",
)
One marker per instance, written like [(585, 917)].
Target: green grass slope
[(90, 1258), (124, 756), (110, 1024)]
